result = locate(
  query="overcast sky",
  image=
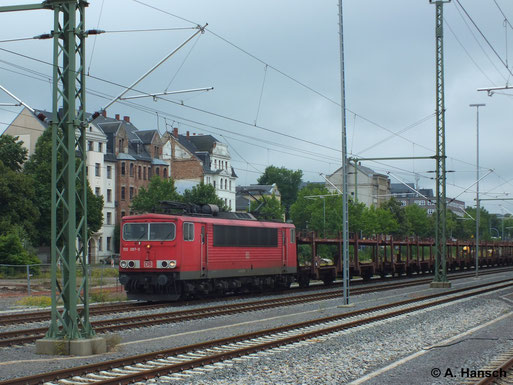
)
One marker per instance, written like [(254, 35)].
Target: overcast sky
[(275, 70)]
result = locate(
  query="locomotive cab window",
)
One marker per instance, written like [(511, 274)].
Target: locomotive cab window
[(135, 231), (188, 231), (292, 235), (151, 231), (162, 231)]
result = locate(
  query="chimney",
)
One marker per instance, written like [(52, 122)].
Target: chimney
[(126, 119), (104, 113), (175, 132), (117, 116), (187, 134)]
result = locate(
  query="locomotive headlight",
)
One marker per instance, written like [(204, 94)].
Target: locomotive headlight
[(148, 246), (123, 264), (172, 264)]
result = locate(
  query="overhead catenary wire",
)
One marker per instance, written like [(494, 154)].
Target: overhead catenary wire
[(479, 44), (485, 38), (95, 37), (355, 115), (468, 53)]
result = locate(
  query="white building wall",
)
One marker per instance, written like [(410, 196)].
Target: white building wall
[(220, 160), (96, 145)]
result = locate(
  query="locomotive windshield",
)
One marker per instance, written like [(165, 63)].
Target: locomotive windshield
[(149, 231)]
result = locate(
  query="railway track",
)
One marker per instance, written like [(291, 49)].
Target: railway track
[(26, 336), (123, 307), (168, 364), (500, 371)]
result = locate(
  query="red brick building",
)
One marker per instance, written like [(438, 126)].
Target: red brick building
[(137, 155)]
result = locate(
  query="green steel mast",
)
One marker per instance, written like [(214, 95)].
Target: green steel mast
[(69, 180), (440, 279)]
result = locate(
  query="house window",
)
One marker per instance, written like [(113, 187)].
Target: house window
[(123, 193), (97, 169), (100, 147), (215, 164), (89, 146), (214, 184), (100, 241), (131, 193), (97, 191), (109, 195), (165, 172), (109, 218), (139, 172), (109, 172), (226, 165), (109, 242), (144, 173), (149, 172), (123, 213), (230, 185), (123, 171), (157, 171), (131, 169)]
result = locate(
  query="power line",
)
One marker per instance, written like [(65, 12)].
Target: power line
[(484, 37), (479, 44), (468, 54)]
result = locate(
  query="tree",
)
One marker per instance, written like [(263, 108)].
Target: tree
[(288, 182), (203, 194), (417, 221), (270, 210), (12, 251), (397, 211), (17, 195), (39, 167), (12, 153), (158, 190)]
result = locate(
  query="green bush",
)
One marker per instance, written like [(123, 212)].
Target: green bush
[(39, 301)]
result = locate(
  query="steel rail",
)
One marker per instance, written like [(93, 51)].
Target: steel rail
[(145, 374)]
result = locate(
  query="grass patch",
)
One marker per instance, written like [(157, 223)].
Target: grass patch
[(112, 340), (106, 296), (39, 301), (99, 272)]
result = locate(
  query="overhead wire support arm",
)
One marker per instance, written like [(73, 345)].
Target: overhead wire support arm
[(157, 94), (200, 30), (21, 103)]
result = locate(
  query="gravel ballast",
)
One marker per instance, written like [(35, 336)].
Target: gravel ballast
[(331, 360)]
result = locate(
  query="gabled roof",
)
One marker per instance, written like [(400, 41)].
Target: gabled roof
[(146, 136), (203, 142)]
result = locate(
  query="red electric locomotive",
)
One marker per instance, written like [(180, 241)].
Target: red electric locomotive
[(165, 257)]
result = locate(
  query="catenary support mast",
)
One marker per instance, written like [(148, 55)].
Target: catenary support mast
[(345, 219), (440, 279), (69, 180)]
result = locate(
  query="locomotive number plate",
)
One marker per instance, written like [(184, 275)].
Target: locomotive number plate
[(147, 263)]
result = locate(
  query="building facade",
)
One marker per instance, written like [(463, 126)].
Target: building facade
[(363, 184)]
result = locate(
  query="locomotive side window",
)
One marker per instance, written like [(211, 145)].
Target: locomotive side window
[(135, 231), (162, 231), (241, 236), (292, 235), (188, 231)]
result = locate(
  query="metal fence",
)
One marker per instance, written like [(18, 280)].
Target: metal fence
[(32, 279)]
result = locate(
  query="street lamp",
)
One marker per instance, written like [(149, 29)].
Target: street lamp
[(477, 183)]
